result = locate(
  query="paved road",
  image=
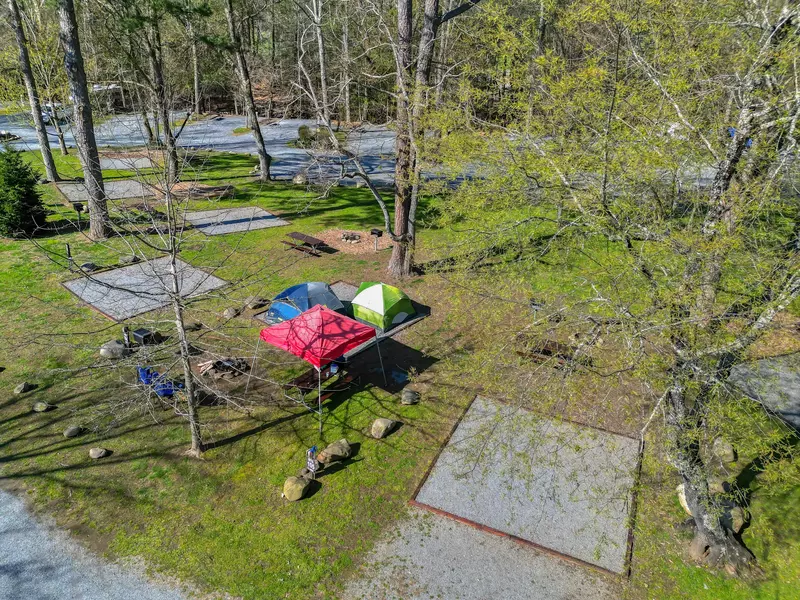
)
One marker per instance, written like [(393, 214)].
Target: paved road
[(373, 144), (38, 562)]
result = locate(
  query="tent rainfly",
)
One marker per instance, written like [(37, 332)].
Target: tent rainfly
[(381, 305), (299, 298), (319, 336)]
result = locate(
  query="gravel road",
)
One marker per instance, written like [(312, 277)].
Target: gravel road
[(40, 562)]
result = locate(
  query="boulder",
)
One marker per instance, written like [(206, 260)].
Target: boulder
[(97, 453), (295, 488), (300, 179), (230, 313), (129, 259), (681, 491), (739, 518), (114, 349), (382, 427), (73, 431), (41, 407), (409, 397), (723, 450), (336, 451), (23, 387), (718, 485), (698, 549)]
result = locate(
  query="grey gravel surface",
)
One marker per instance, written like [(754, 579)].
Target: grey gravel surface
[(39, 562), (375, 143), (128, 291), (115, 190), (562, 486), (128, 163), (233, 220), (344, 291), (431, 557), (775, 382)]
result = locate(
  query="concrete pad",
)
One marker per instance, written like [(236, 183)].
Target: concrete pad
[(115, 190), (561, 486), (129, 291), (344, 291), (233, 220), (428, 556), (775, 382), (128, 163)]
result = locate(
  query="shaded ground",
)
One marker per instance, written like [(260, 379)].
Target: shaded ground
[(42, 563), (428, 556)]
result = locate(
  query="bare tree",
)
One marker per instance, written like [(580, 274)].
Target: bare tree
[(30, 85), (84, 124), (246, 89)]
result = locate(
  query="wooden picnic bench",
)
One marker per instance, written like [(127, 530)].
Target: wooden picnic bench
[(309, 381), (309, 245)]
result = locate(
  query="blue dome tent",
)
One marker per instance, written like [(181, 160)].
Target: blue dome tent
[(299, 298)]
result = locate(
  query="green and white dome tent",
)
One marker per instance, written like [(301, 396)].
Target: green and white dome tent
[(381, 305)]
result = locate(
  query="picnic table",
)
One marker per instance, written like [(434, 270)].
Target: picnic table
[(310, 380), (309, 245)]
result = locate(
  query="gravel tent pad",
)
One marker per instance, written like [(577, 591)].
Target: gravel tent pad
[(775, 382), (115, 190), (129, 291), (126, 163), (560, 486), (233, 220), (344, 291), (428, 556)]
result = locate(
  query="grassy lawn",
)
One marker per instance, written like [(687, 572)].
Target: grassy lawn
[(220, 522)]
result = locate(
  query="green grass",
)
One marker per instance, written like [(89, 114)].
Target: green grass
[(241, 130), (220, 522)]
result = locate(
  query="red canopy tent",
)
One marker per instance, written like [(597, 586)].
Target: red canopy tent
[(319, 336)]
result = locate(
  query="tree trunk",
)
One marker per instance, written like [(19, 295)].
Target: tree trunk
[(264, 159), (151, 138), (62, 145), (346, 67), (195, 71), (399, 263), (323, 77), (716, 543), (99, 226), (30, 86), (160, 100)]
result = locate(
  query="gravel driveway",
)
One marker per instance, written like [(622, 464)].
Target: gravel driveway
[(38, 562)]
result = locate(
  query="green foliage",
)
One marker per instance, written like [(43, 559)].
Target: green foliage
[(21, 209)]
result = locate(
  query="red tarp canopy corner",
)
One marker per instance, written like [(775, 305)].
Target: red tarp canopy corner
[(318, 335)]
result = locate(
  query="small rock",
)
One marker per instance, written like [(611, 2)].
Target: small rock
[(230, 313), (23, 387), (382, 427), (295, 488), (89, 267), (300, 179), (254, 302), (41, 407), (114, 349), (738, 519), (723, 450), (129, 259), (73, 431), (409, 397), (718, 485), (96, 453), (682, 499), (336, 451)]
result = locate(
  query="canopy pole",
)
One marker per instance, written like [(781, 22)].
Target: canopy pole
[(253, 366), (319, 401), (380, 358)]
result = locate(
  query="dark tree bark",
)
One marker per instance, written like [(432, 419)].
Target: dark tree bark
[(84, 125), (160, 100), (30, 86), (246, 86)]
